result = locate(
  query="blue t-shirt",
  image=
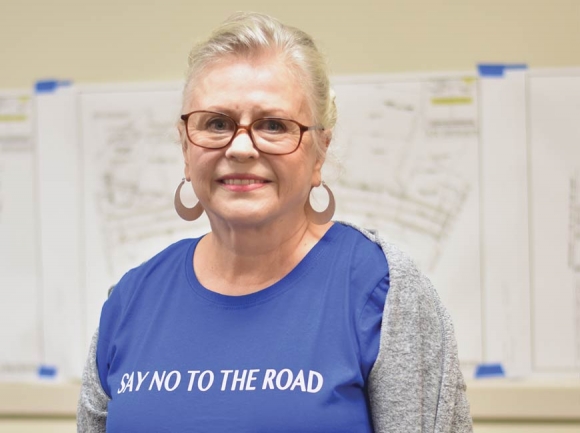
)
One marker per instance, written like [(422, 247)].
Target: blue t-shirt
[(294, 357)]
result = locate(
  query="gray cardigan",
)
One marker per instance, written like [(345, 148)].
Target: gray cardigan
[(415, 384)]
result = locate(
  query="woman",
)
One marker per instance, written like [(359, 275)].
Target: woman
[(278, 320)]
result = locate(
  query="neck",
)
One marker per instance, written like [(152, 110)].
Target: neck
[(239, 261)]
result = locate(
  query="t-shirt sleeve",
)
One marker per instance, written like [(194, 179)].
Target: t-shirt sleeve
[(370, 322)]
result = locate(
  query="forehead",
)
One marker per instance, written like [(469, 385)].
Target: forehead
[(265, 83)]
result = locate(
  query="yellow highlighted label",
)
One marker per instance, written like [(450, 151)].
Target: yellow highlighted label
[(452, 101), (13, 118)]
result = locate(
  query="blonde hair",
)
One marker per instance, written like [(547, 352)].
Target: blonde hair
[(249, 35)]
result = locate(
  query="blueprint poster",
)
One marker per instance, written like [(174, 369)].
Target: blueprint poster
[(409, 156)]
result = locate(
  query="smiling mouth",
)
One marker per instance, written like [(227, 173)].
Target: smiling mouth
[(242, 181)]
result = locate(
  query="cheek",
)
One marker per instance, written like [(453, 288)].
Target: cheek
[(199, 182), (201, 166), (298, 174)]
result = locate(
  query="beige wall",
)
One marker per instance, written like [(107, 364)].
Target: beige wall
[(136, 40)]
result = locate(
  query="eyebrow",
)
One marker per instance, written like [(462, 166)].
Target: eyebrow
[(257, 113)]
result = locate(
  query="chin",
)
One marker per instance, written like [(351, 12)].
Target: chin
[(245, 217)]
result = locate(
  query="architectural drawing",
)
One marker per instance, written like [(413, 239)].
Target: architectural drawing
[(410, 159), (450, 108), (20, 322), (15, 120), (554, 106), (15, 126), (137, 163), (409, 151)]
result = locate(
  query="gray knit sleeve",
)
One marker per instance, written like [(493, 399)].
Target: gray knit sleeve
[(416, 384), (93, 401)]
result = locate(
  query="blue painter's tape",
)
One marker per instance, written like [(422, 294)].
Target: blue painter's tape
[(49, 86), (489, 370), (46, 86), (516, 66), (47, 371), (488, 70), (498, 70)]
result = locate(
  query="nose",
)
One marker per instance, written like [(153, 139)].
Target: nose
[(241, 146)]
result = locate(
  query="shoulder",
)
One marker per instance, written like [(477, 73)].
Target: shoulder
[(404, 274), (413, 307), (174, 256), (143, 285), (140, 289), (354, 245), (367, 274), (360, 261)]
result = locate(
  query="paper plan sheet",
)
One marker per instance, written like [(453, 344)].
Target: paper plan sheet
[(20, 320), (504, 222), (409, 151), (554, 112), (16, 119)]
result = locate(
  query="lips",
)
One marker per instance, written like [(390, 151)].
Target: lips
[(241, 181)]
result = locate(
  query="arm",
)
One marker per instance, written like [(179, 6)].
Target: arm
[(416, 384), (93, 401), (453, 408)]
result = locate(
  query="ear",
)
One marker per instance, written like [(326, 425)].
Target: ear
[(184, 149), (325, 138)]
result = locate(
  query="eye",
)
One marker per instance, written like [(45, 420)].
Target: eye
[(271, 126), (219, 124)]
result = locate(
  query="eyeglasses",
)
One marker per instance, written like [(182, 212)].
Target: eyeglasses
[(269, 135)]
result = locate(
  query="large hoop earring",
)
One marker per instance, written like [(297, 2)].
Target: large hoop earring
[(325, 216), (187, 213)]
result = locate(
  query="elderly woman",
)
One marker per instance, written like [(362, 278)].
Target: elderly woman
[(278, 320)]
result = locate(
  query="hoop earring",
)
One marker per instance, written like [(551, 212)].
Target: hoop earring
[(186, 213), (325, 216)]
